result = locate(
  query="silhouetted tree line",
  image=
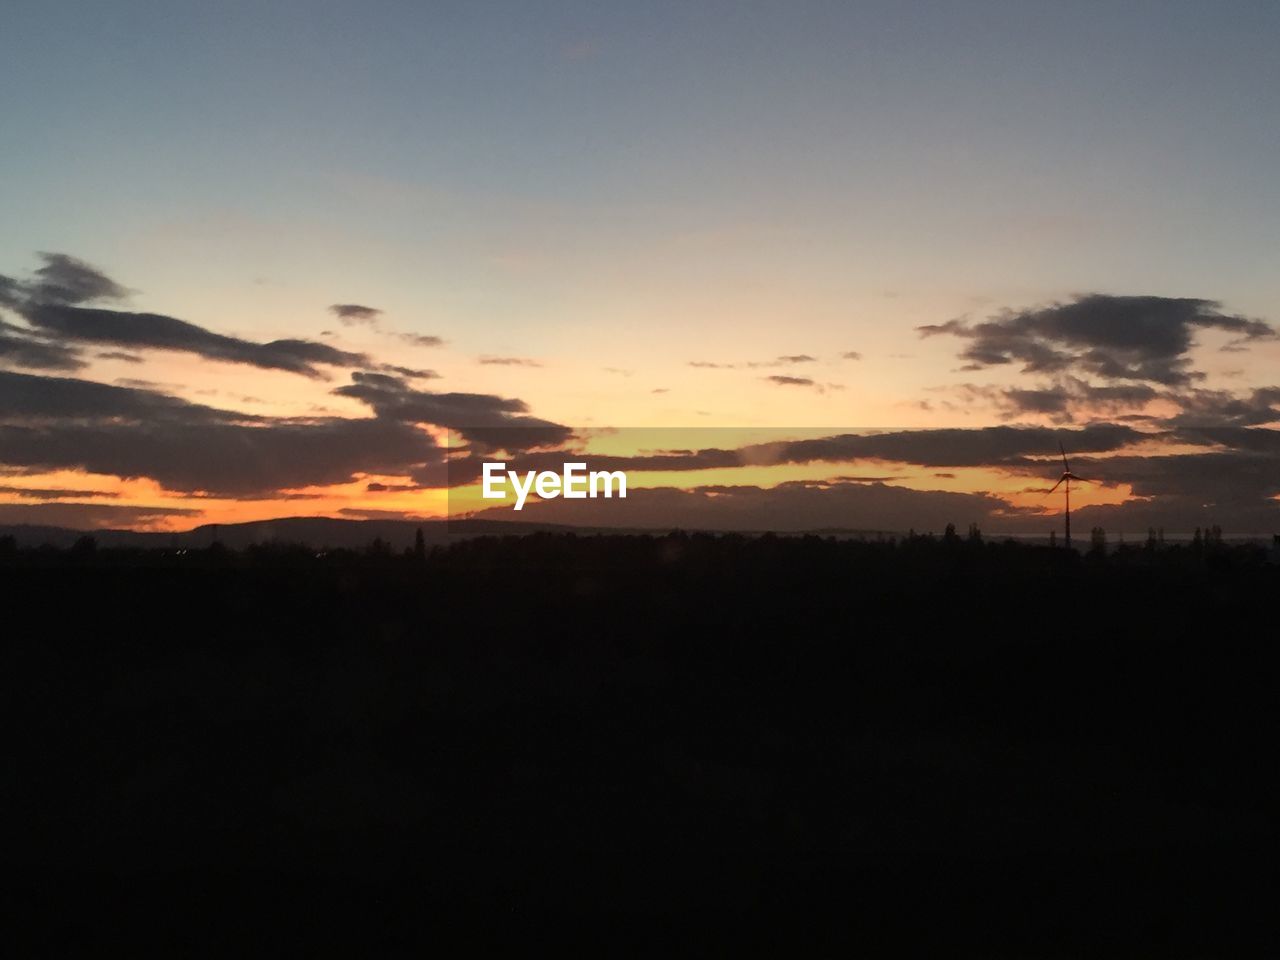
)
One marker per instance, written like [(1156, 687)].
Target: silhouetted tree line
[(999, 748), (949, 547)]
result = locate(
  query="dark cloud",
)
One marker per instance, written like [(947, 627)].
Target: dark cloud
[(946, 447), (785, 381), (962, 447), (421, 340), (1178, 492), (1233, 488), (782, 361), (87, 516), (11, 293), (410, 373), (28, 399), (49, 493), (851, 355), (1221, 407), (145, 384), (1242, 438), (390, 397), (1067, 398), (1116, 338), (66, 280), (49, 423), (51, 304), (1048, 401), (231, 459), (354, 313), (18, 348), (787, 507), (119, 355), (485, 420), (1234, 479), (1016, 448), (1254, 473), (158, 332), (508, 362), (392, 488)]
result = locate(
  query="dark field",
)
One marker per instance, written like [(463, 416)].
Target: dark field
[(645, 743)]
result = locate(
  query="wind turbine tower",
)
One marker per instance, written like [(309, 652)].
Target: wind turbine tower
[(1064, 481)]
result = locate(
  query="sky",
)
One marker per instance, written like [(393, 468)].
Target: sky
[(799, 219)]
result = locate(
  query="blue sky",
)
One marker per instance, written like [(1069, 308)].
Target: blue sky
[(908, 134), (642, 207)]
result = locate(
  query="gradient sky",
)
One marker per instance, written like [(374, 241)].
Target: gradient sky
[(612, 192)]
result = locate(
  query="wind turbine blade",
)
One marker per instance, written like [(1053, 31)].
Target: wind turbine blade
[(1056, 485), (1066, 467)]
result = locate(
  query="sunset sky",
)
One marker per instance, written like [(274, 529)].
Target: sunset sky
[(260, 260)]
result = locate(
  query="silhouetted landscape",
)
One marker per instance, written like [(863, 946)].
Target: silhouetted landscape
[(636, 741), (728, 479)]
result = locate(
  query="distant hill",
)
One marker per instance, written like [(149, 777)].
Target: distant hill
[(330, 533), (318, 532)]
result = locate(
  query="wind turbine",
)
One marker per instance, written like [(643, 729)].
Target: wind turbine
[(1066, 478)]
